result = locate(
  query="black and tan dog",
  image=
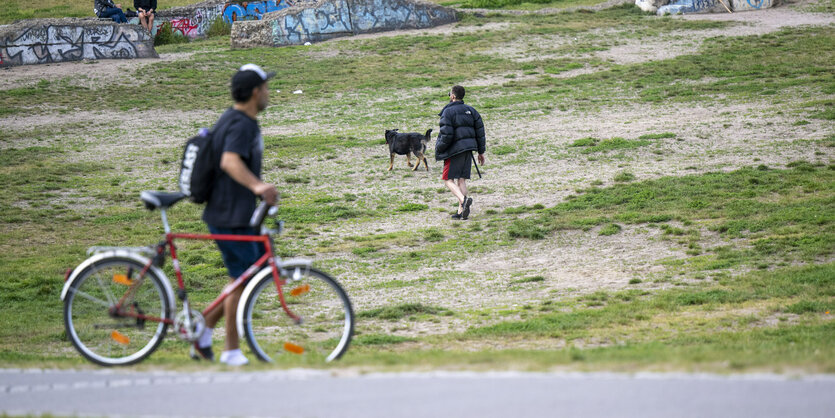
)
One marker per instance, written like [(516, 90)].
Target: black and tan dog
[(408, 144)]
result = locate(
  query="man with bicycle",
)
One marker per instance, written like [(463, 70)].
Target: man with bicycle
[(237, 139)]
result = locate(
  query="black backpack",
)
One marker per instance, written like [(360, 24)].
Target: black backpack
[(199, 166)]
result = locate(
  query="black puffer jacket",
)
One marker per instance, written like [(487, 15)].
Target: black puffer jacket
[(461, 131)]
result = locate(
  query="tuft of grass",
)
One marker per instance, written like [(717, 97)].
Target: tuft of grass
[(412, 207), (610, 229), (662, 135), (624, 177), (379, 339), (585, 142), (503, 149), (532, 279), (433, 235), (395, 312), (615, 144), (297, 179)]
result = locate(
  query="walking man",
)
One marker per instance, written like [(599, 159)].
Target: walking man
[(237, 139), (461, 133)]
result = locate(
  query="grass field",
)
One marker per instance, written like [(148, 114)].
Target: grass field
[(640, 210)]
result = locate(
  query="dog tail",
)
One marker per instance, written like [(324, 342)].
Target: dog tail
[(428, 136)]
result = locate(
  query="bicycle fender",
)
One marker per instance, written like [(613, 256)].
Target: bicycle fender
[(250, 286), (289, 263), (294, 262), (166, 285)]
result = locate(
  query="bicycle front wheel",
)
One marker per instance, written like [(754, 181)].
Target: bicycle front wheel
[(113, 316), (321, 330)]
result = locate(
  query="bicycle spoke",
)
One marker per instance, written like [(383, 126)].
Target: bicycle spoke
[(107, 336), (91, 298), (321, 333), (105, 288)]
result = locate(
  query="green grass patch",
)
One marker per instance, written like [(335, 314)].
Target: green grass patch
[(787, 214), (379, 339), (614, 144), (610, 229), (396, 312), (412, 207), (531, 279)]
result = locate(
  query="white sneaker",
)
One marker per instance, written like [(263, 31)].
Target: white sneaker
[(233, 358)]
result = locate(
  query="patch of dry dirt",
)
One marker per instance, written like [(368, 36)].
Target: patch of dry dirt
[(95, 72)]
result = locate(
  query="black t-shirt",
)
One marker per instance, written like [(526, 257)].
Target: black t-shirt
[(231, 204)]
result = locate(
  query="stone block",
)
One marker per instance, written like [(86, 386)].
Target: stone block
[(41, 41), (328, 19), (692, 6), (743, 5)]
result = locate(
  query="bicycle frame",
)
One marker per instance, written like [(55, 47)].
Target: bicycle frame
[(266, 259)]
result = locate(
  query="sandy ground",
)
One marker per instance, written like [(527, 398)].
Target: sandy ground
[(714, 138)]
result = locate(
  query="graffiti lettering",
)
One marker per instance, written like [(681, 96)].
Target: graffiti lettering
[(184, 26), (233, 12), (50, 43), (334, 18)]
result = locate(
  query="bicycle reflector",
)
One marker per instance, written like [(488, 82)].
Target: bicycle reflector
[(296, 349), (119, 337), (122, 279), (298, 291)]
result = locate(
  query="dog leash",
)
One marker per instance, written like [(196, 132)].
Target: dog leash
[(476, 165)]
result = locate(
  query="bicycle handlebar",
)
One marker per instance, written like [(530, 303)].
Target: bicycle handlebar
[(261, 213)]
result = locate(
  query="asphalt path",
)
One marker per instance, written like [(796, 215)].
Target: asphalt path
[(312, 393)]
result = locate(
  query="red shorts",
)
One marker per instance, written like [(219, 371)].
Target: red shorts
[(445, 174)]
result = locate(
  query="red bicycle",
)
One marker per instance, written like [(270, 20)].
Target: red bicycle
[(118, 304)]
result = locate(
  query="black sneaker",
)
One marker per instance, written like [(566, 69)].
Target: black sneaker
[(201, 353), (466, 212), (456, 216)]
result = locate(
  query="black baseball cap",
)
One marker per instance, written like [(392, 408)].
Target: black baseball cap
[(248, 77)]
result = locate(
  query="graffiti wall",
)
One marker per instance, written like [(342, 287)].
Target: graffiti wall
[(702, 6), (691, 6), (253, 10), (60, 40), (334, 18), (194, 21), (741, 5)]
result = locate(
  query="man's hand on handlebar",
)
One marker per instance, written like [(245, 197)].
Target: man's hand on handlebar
[(267, 192)]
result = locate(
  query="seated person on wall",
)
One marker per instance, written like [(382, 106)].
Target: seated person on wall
[(146, 9), (106, 8)]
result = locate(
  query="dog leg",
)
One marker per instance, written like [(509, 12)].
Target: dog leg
[(425, 164), (391, 161), (419, 157), (409, 159)]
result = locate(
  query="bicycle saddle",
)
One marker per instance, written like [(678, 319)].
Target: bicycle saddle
[(160, 200)]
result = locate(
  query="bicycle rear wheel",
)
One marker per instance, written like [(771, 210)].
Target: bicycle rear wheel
[(105, 335), (323, 330)]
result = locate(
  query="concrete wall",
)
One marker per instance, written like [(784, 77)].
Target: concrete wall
[(194, 21), (703, 6), (742, 5), (692, 6), (41, 41), (334, 18)]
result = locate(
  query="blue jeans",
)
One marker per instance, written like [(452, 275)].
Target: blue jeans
[(117, 15), (238, 255)]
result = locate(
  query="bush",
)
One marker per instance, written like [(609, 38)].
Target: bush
[(219, 27), (166, 35)]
